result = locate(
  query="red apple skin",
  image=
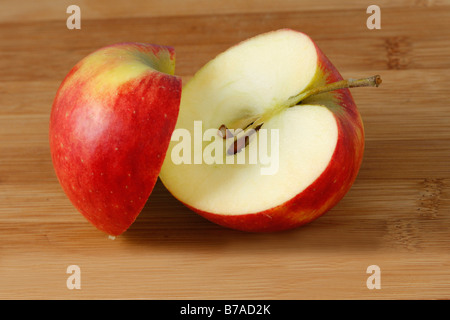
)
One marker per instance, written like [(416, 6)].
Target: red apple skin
[(331, 186), (108, 138)]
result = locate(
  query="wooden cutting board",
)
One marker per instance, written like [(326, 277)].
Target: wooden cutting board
[(396, 216)]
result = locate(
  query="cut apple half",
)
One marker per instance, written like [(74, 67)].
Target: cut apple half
[(314, 142), (110, 126)]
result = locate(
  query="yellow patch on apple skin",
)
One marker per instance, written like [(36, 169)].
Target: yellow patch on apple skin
[(112, 66)]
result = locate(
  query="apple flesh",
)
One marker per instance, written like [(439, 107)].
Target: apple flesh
[(110, 127), (321, 138)]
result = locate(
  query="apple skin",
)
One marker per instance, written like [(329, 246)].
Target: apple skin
[(110, 126), (331, 186)]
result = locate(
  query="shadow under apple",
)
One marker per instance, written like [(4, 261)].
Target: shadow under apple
[(166, 223)]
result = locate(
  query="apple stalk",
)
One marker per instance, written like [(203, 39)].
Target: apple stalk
[(257, 123)]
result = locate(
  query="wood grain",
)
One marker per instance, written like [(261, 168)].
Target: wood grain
[(397, 215)]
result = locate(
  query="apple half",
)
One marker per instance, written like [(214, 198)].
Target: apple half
[(282, 82), (110, 126)]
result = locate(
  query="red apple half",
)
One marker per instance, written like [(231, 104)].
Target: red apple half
[(110, 127), (320, 138)]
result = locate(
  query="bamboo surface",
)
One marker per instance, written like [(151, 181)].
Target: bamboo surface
[(396, 216)]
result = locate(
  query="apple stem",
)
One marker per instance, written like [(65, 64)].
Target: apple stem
[(374, 81), (256, 123)]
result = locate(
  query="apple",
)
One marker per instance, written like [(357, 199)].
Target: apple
[(281, 82), (110, 126)]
